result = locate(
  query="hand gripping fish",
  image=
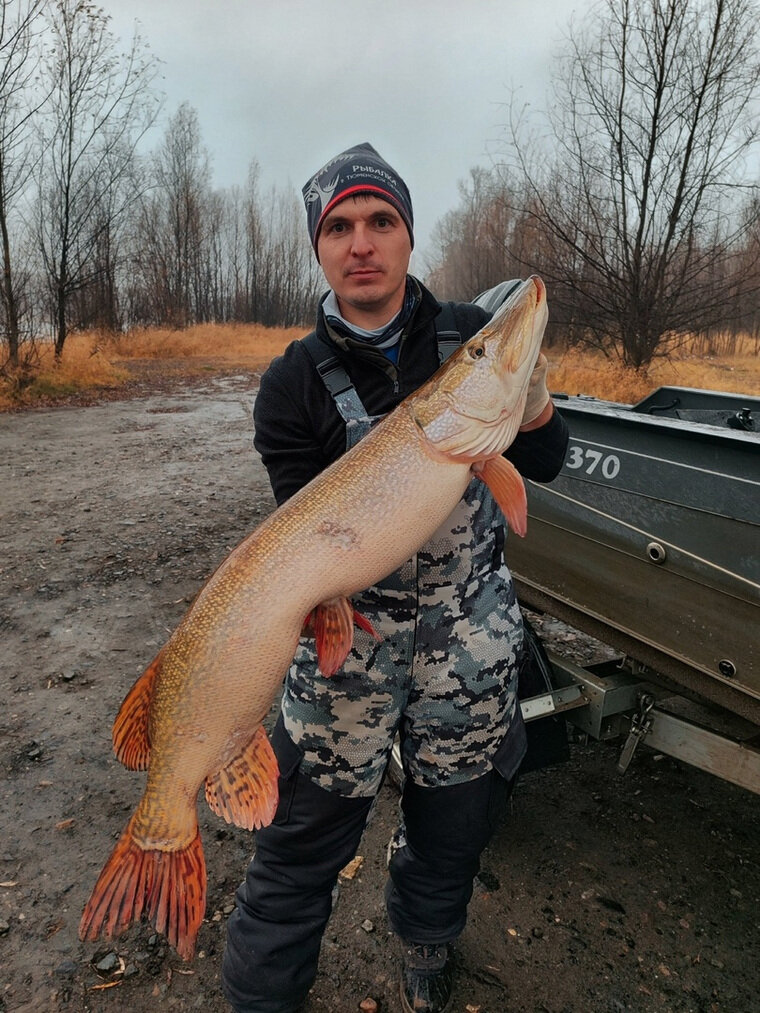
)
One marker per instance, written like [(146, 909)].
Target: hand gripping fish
[(194, 717)]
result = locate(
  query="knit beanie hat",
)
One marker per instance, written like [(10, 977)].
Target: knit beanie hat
[(356, 170)]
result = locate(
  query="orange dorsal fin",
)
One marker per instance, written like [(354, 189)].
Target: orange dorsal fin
[(131, 739), (244, 792), (166, 887), (508, 489)]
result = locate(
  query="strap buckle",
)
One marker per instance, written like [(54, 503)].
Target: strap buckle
[(334, 376)]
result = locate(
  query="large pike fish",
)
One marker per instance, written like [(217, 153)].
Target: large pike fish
[(194, 717)]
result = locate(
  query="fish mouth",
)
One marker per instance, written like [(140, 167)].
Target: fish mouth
[(528, 305), (520, 295), (479, 419)]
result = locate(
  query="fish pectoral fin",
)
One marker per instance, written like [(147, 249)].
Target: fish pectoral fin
[(244, 792), (508, 488), (130, 736), (334, 633), (331, 624), (166, 887)]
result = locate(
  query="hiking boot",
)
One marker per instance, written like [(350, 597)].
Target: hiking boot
[(427, 977)]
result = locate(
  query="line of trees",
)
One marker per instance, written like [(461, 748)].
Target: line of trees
[(94, 233), (191, 254), (636, 196)]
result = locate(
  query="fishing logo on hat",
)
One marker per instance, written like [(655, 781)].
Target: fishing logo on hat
[(356, 170), (317, 190)]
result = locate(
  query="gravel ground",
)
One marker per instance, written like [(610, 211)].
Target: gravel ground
[(599, 893)]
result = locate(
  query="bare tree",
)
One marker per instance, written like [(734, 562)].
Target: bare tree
[(101, 104), (254, 243), (96, 301), (642, 200), (172, 232), (281, 278), (20, 100), (213, 255), (475, 243), (287, 276)]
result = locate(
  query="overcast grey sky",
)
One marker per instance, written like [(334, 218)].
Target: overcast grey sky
[(293, 82)]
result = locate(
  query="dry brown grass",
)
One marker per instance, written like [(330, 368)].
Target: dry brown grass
[(245, 344), (83, 368), (94, 361), (589, 372)]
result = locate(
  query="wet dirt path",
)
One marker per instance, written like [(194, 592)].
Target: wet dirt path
[(598, 894)]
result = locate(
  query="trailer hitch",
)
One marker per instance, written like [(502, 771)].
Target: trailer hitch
[(641, 724)]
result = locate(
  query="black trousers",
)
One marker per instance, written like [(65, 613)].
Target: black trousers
[(274, 934)]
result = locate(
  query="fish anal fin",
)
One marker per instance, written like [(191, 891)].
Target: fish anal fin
[(508, 488), (244, 792), (166, 887), (131, 739)]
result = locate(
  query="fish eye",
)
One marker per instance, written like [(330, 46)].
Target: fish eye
[(477, 351)]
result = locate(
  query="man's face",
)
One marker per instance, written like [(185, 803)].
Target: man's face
[(364, 249)]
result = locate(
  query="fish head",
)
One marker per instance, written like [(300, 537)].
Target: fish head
[(472, 407)]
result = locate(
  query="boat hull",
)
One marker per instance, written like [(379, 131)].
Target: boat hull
[(649, 538)]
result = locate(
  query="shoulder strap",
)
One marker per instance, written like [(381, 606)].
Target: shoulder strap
[(447, 332), (331, 372), (335, 378)]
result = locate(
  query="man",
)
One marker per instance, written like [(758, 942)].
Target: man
[(442, 674)]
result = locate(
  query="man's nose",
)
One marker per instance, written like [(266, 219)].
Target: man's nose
[(362, 241)]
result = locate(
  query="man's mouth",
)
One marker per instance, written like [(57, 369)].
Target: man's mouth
[(364, 272)]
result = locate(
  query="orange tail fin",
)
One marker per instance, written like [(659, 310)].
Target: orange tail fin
[(168, 888)]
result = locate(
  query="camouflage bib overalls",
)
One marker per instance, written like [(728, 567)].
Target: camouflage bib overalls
[(444, 670), (444, 675)]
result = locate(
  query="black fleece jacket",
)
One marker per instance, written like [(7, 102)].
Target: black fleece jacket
[(298, 430)]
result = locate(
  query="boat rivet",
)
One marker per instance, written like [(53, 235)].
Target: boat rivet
[(727, 668), (656, 552)]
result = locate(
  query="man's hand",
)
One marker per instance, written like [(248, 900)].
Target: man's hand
[(538, 405)]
